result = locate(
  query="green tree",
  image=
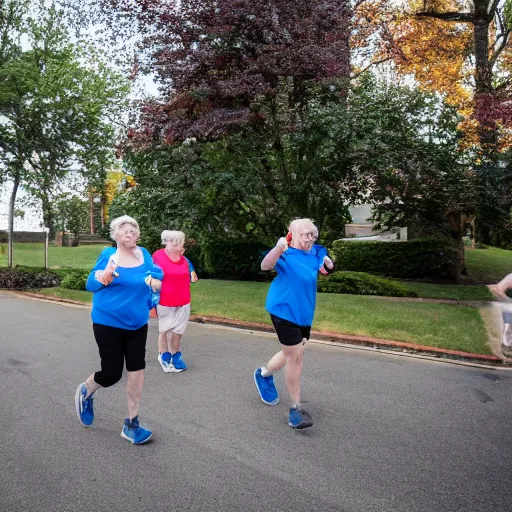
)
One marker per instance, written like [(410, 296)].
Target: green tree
[(57, 119), (71, 214), (394, 146)]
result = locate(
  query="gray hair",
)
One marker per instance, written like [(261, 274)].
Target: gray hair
[(300, 225), (175, 237), (117, 223)]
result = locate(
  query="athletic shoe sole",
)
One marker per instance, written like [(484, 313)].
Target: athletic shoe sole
[(274, 402), (172, 369), (166, 369), (300, 426), (77, 406), (124, 436)]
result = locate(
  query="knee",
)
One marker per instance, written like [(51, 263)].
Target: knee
[(295, 357), (106, 380)]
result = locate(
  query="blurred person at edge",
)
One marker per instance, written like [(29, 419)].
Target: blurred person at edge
[(500, 290)]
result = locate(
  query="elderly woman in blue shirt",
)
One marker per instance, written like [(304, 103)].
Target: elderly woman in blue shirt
[(122, 280), (291, 302)]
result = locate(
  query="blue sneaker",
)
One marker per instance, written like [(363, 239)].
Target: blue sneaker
[(165, 361), (135, 433), (299, 418), (177, 363), (84, 406), (266, 388)]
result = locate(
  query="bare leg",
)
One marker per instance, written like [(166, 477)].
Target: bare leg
[(276, 362), (501, 288), (91, 385), (507, 335), (175, 343), (162, 343), (293, 370), (134, 385)]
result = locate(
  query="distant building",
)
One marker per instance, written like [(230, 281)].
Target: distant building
[(362, 227)]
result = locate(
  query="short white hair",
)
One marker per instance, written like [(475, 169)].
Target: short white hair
[(175, 237), (118, 222), (299, 226)]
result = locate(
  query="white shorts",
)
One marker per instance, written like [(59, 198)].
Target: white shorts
[(174, 319)]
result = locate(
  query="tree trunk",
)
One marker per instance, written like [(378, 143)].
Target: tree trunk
[(91, 211), (483, 75), (12, 202), (483, 72)]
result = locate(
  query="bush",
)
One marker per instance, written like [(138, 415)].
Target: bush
[(22, 279), (75, 279), (361, 283), (194, 254), (429, 258), (234, 260)]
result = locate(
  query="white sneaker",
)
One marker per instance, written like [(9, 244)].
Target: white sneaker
[(166, 367)]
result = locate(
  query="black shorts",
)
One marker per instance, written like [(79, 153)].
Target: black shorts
[(118, 347), (289, 333)]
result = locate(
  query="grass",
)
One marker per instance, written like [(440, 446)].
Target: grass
[(438, 325), (63, 293), (32, 254), (450, 291), (488, 266)]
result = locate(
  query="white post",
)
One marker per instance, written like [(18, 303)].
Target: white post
[(46, 232)]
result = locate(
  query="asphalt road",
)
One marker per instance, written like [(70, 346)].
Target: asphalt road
[(391, 433)]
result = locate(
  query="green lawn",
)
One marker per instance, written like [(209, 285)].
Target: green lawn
[(33, 255), (439, 325), (488, 266), (450, 291)]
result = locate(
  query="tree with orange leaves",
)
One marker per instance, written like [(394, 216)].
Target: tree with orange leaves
[(462, 50)]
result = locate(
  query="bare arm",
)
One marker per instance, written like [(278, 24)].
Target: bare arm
[(270, 260)]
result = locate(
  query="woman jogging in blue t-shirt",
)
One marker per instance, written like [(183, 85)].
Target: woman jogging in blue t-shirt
[(120, 281), (291, 303)]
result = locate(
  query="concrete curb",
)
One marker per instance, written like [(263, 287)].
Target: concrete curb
[(351, 339), (333, 337)]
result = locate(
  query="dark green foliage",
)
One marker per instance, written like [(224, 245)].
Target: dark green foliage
[(194, 255), (361, 283), (75, 279), (21, 279), (236, 261), (429, 258), (493, 190)]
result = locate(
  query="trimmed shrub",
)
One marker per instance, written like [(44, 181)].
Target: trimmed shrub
[(361, 283), (194, 254), (414, 259), (75, 279), (234, 260), (22, 279)]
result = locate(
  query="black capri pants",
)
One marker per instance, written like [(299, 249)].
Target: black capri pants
[(116, 346)]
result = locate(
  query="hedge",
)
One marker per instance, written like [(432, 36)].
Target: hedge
[(414, 259), (22, 279), (361, 283), (75, 279), (234, 260)]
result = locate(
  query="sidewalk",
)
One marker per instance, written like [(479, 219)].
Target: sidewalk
[(493, 361)]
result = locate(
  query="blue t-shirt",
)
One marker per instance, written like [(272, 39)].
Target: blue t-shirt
[(292, 293), (124, 302)]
